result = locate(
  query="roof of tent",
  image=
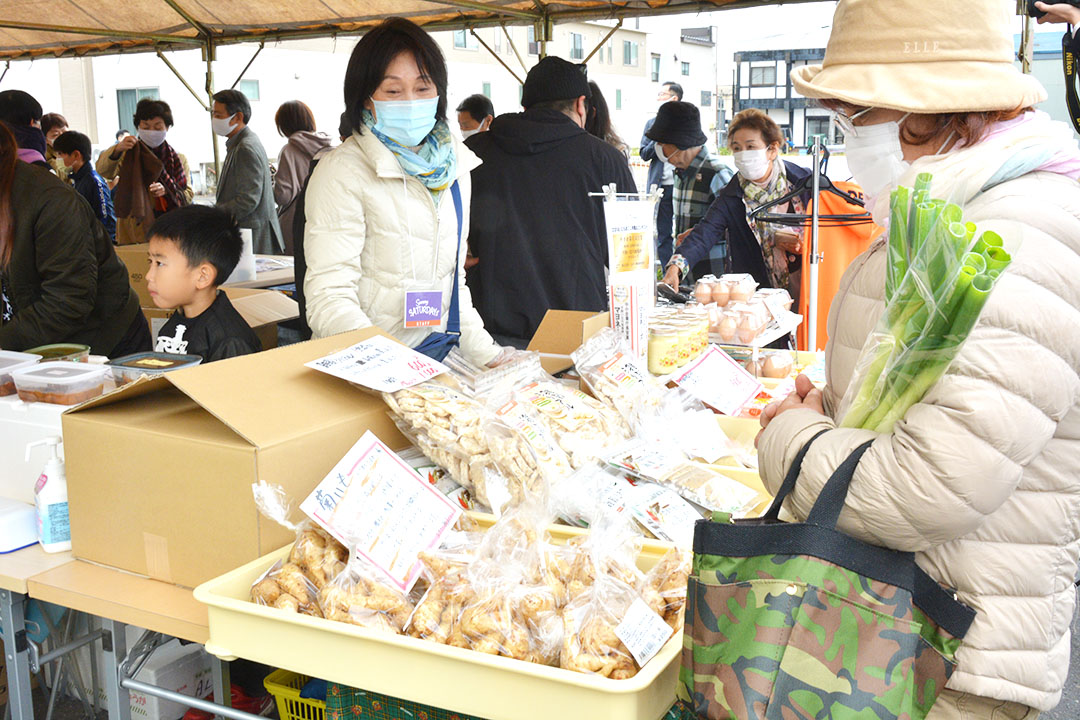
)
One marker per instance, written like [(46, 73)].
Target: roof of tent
[(47, 28)]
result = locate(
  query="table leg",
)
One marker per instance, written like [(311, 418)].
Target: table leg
[(114, 643), (222, 683), (20, 701)]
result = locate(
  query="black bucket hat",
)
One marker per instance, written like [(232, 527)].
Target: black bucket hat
[(555, 79), (678, 124)]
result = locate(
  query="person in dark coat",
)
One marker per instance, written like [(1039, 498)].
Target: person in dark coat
[(60, 279), (661, 174), (245, 187), (769, 252), (540, 239)]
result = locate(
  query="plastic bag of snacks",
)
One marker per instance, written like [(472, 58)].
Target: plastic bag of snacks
[(580, 425), (447, 425), (526, 454), (360, 595), (315, 559), (664, 587), (590, 643)]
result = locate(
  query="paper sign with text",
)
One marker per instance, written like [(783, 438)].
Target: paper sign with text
[(380, 364), (376, 505), (631, 230), (718, 381)]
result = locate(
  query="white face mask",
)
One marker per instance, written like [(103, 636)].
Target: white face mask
[(660, 152), (753, 164), (222, 126), (876, 160), (466, 134), (153, 138)]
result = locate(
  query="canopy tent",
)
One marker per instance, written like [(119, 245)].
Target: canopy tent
[(52, 28)]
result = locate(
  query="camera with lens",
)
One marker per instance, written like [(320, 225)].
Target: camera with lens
[(1037, 13)]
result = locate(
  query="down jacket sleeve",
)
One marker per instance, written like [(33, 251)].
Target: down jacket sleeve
[(334, 239), (957, 456)]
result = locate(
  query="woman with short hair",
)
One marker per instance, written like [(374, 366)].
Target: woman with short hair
[(387, 211), (153, 177), (296, 123)]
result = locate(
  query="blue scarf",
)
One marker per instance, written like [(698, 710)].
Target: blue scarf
[(434, 164)]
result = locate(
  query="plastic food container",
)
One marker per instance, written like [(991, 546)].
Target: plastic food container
[(10, 362), (71, 352), (60, 382), (460, 680), (131, 367)]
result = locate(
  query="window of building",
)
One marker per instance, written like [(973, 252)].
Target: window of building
[(127, 99), (629, 53), (487, 90), (763, 76), (463, 40), (655, 70), (577, 46), (618, 99), (686, 68), (706, 98), (610, 53), (817, 125), (534, 47), (498, 40), (250, 88)]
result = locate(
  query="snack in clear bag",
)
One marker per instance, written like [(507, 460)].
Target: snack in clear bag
[(616, 377), (361, 596), (315, 559), (447, 425), (580, 425), (710, 489), (664, 587), (590, 643), (526, 454), (574, 498)]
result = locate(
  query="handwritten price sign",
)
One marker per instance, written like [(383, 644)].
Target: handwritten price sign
[(719, 381), (380, 364)]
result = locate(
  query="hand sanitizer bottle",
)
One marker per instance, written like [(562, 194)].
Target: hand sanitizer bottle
[(51, 499)]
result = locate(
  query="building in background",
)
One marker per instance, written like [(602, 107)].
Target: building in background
[(763, 81)]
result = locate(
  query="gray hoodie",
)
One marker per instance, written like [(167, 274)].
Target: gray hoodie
[(294, 164)]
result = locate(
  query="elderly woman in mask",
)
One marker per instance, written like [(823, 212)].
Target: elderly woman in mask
[(978, 479), (769, 252)]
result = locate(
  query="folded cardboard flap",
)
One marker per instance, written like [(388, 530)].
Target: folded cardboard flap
[(160, 471), (561, 332)]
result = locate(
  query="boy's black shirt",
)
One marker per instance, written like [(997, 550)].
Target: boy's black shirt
[(217, 333)]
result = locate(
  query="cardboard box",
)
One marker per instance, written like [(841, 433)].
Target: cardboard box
[(159, 472), (262, 309), (137, 262), (180, 668), (561, 332)]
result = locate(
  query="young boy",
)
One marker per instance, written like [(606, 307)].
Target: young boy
[(73, 148), (193, 250)]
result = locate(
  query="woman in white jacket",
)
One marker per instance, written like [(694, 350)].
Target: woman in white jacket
[(982, 477), (382, 236)]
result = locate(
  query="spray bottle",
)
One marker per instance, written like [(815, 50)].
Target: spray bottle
[(51, 499)]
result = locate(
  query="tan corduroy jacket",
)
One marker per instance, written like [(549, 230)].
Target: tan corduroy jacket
[(982, 478)]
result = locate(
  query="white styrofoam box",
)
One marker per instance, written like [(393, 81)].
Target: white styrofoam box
[(20, 424), (181, 668)]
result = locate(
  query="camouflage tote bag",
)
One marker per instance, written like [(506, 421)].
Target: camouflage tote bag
[(786, 621)]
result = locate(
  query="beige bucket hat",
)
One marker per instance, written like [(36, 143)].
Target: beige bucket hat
[(921, 56)]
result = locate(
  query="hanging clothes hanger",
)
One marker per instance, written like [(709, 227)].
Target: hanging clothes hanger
[(799, 219)]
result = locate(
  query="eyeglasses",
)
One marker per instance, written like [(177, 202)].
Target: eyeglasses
[(846, 123)]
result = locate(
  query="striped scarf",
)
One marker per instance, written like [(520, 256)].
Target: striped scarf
[(754, 196), (172, 175)]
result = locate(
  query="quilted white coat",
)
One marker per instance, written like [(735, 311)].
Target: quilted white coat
[(982, 478), (373, 233)]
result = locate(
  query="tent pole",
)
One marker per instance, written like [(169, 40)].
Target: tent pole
[(181, 78), (101, 32), (7, 66), (492, 53), (815, 256), (210, 94), (600, 45), (240, 77), (510, 42), (203, 30)]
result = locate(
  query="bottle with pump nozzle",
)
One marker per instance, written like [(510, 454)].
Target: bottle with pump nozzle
[(51, 499)]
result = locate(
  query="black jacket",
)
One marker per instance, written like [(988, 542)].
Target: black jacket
[(647, 151), (217, 333), (727, 217), (64, 281), (540, 238)]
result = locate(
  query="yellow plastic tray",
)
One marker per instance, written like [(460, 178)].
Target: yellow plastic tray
[(461, 680)]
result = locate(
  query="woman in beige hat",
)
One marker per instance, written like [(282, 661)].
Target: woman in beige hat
[(981, 478)]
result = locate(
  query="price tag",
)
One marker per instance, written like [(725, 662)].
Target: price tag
[(718, 381), (643, 632), (380, 364), (376, 505), (665, 514)]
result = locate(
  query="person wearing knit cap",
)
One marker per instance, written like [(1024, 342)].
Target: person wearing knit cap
[(540, 239), (22, 115), (979, 477), (699, 174)]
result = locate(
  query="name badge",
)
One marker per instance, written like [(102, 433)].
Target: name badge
[(423, 308)]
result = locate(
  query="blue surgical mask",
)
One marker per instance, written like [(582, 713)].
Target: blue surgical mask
[(407, 122)]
